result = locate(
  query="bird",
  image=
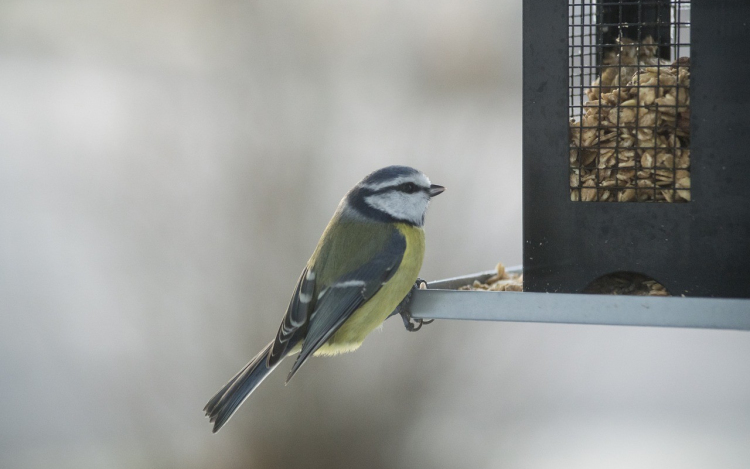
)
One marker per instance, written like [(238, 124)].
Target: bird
[(363, 270)]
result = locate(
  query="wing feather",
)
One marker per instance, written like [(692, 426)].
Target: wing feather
[(346, 294), (295, 319)]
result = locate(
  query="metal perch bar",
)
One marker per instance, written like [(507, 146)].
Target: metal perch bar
[(439, 301)]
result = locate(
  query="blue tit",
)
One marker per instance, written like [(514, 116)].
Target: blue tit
[(363, 268)]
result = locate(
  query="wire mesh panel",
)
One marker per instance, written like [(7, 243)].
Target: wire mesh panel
[(629, 101)]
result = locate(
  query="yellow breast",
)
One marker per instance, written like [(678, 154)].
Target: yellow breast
[(372, 314)]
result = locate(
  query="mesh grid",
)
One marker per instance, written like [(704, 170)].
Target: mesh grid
[(629, 102)]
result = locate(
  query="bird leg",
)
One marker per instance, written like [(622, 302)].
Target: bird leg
[(411, 324)]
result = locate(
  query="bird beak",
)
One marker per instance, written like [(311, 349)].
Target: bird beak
[(436, 190)]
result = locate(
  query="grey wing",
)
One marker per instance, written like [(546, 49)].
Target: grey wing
[(296, 318), (337, 301)]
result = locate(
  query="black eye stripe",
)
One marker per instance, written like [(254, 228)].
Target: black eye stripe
[(398, 187), (408, 187)]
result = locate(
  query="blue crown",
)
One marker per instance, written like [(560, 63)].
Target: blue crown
[(388, 173)]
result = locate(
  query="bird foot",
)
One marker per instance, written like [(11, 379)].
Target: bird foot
[(411, 324)]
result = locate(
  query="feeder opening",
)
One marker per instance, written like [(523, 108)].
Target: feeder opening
[(626, 283)]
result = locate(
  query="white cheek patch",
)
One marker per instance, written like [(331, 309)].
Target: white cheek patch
[(399, 205)]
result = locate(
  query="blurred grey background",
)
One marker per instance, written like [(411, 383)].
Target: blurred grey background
[(166, 168)]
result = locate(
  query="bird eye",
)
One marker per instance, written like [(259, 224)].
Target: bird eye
[(409, 188)]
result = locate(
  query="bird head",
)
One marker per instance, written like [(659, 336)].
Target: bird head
[(393, 194)]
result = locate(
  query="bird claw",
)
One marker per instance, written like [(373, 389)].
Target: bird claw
[(412, 324)]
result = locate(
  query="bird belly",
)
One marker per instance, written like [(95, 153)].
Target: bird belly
[(372, 313)]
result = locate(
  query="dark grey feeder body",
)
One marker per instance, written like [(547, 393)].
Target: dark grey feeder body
[(698, 248)]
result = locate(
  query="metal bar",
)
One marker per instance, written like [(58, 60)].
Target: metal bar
[(708, 313), (455, 282)]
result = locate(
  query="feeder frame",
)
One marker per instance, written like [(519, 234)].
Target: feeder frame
[(699, 250)]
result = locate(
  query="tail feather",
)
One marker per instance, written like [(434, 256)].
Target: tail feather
[(221, 407), (209, 409)]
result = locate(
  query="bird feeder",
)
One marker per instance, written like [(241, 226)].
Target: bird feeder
[(636, 160)]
